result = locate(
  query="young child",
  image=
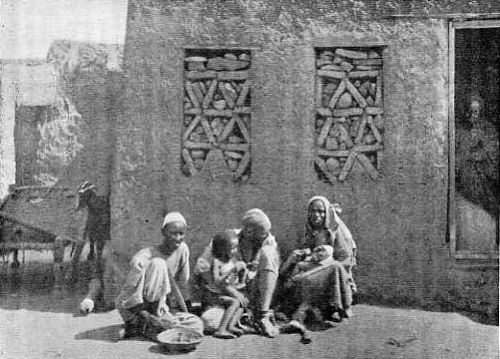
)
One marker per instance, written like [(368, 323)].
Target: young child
[(320, 258), (222, 279)]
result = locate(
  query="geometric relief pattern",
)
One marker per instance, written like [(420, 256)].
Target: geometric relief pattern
[(349, 122), (217, 111)]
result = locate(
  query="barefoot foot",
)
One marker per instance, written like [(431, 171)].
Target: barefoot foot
[(224, 334)]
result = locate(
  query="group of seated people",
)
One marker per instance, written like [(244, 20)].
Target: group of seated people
[(240, 271)]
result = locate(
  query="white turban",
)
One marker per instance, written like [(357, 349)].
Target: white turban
[(173, 217), (256, 216)]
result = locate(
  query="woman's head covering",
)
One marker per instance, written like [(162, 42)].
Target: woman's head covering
[(173, 217), (332, 219), (257, 217), (330, 222)]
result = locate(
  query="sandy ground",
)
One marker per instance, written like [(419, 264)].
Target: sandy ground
[(36, 324)]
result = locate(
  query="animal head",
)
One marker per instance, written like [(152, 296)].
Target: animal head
[(84, 195)]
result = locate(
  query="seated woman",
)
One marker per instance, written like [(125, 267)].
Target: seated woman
[(330, 288), (142, 302)]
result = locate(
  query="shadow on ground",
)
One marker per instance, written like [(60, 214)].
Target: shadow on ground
[(30, 287), (444, 307), (109, 333)]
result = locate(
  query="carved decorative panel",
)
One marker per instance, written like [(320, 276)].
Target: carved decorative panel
[(217, 111), (349, 112)]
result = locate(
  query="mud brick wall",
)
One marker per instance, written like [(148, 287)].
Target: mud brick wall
[(397, 210)]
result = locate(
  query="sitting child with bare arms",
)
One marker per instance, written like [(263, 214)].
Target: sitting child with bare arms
[(320, 257), (223, 283)]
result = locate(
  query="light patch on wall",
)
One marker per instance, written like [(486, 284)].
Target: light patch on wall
[(31, 26)]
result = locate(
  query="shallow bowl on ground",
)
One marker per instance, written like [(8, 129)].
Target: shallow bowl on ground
[(180, 339)]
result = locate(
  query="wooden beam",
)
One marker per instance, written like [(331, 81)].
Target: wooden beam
[(332, 74), (208, 130), (361, 74), (190, 145), (452, 205), (189, 162), (321, 165), (23, 223), (242, 167), (338, 92), (374, 110), (243, 110), (243, 128), (324, 111), (232, 75), (368, 148), (327, 153), (227, 130), (345, 112), (227, 97), (191, 94), (361, 129), (234, 146), (378, 94), (217, 113), (365, 162), (192, 111), (324, 131), (347, 166), (210, 94), (200, 75), (355, 93), (190, 128), (319, 91), (245, 89)]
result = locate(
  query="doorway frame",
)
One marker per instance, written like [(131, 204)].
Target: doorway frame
[(472, 257)]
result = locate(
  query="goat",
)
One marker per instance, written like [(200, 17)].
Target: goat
[(96, 227)]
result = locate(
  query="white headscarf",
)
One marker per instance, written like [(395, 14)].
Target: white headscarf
[(334, 209), (173, 217)]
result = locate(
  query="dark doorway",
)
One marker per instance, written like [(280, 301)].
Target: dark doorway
[(477, 187), (26, 139)]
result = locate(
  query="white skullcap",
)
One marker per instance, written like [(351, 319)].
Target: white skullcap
[(173, 217)]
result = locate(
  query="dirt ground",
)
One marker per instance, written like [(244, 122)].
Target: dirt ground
[(34, 323)]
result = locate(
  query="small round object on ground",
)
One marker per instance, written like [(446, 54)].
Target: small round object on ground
[(180, 339)]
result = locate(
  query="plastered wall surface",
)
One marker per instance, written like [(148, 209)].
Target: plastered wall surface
[(399, 221)]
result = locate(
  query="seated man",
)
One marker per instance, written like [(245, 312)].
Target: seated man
[(142, 302)]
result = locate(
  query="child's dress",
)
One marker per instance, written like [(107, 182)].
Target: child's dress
[(213, 275)]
